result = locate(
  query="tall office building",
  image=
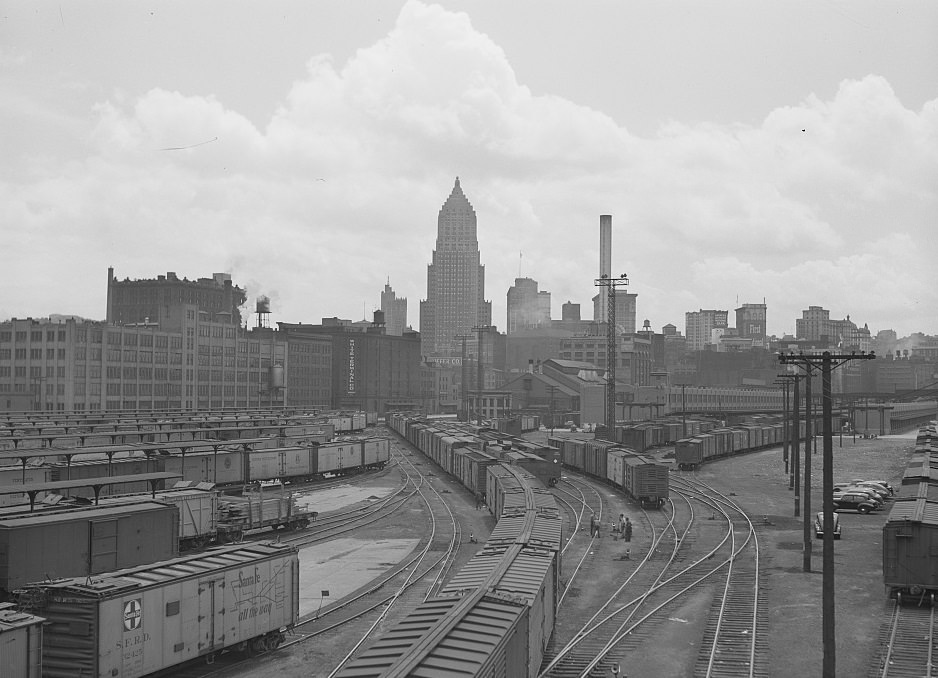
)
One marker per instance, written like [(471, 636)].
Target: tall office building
[(527, 307), (395, 312), (750, 321), (455, 300), (700, 325), (626, 303)]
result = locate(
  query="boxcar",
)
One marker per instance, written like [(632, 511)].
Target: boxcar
[(76, 543), (11, 476), (337, 458), (136, 621), (20, 643), (226, 467), (910, 540)]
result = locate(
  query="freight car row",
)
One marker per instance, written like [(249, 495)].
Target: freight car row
[(232, 467), (137, 621), (641, 477), (910, 534), (496, 616), (72, 540), (466, 451), (718, 443), (15, 435)]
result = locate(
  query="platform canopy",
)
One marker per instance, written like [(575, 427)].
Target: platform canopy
[(32, 489)]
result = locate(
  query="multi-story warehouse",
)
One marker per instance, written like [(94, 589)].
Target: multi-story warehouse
[(634, 356), (83, 365), (370, 369), (455, 300), (161, 301), (700, 325)]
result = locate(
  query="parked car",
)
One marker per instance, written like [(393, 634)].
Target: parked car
[(884, 489), (870, 493), (854, 501), (819, 525)]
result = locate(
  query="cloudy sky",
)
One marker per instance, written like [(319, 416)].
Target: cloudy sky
[(783, 150)]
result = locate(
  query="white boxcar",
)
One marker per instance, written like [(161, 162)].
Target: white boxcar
[(20, 643), (10, 476), (223, 468), (376, 451), (277, 463), (133, 622), (337, 457)]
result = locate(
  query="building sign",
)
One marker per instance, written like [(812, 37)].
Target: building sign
[(133, 614), (454, 361), (351, 366)]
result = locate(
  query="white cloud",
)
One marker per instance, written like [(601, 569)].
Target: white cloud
[(826, 202)]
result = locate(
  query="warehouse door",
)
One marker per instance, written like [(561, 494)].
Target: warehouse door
[(212, 614), (103, 547)]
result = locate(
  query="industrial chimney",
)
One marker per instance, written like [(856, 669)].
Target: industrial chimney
[(605, 263)]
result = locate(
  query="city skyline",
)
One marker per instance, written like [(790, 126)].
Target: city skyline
[(745, 152)]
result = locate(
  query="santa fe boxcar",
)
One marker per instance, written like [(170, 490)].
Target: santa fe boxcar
[(134, 622)]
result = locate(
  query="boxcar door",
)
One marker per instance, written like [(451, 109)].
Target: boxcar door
[(102, 551), (211, 614)]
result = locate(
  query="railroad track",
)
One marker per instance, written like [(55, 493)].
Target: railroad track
[(701, 544), (353, 621), (908, 643)]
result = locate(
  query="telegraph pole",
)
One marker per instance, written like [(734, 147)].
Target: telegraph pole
[(825, 361), (480, 386), (784, 380), (611, 284), (551, 388), (464, 387)]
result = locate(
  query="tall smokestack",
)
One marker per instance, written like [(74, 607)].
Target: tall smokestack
[(109, 312), (605, 262)]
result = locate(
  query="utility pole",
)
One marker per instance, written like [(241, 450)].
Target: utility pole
[(784, 380), (464, 386), (825, 361), (551, 388), (683, 410), (480, 386), (611, 284)]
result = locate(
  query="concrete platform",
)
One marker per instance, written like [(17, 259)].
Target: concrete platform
[(342, 566), (343, 496)]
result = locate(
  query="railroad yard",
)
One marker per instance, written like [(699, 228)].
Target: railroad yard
[(378, 543), (791, 617)]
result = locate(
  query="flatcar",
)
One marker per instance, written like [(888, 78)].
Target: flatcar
[(137, 621)]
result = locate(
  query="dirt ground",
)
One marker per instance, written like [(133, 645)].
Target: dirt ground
[(759, 484)]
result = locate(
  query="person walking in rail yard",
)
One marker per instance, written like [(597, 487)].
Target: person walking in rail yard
[(594, 526), (627, 530)]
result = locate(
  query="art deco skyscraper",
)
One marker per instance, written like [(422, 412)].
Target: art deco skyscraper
[(455, 300)]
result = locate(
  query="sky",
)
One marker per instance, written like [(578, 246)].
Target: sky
[(748, 151)]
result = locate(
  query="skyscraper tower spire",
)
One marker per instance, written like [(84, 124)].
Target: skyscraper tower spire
[(455, 300)]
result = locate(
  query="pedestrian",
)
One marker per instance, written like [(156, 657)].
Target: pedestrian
[(594, 526), (621, 526), (628, 530)]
